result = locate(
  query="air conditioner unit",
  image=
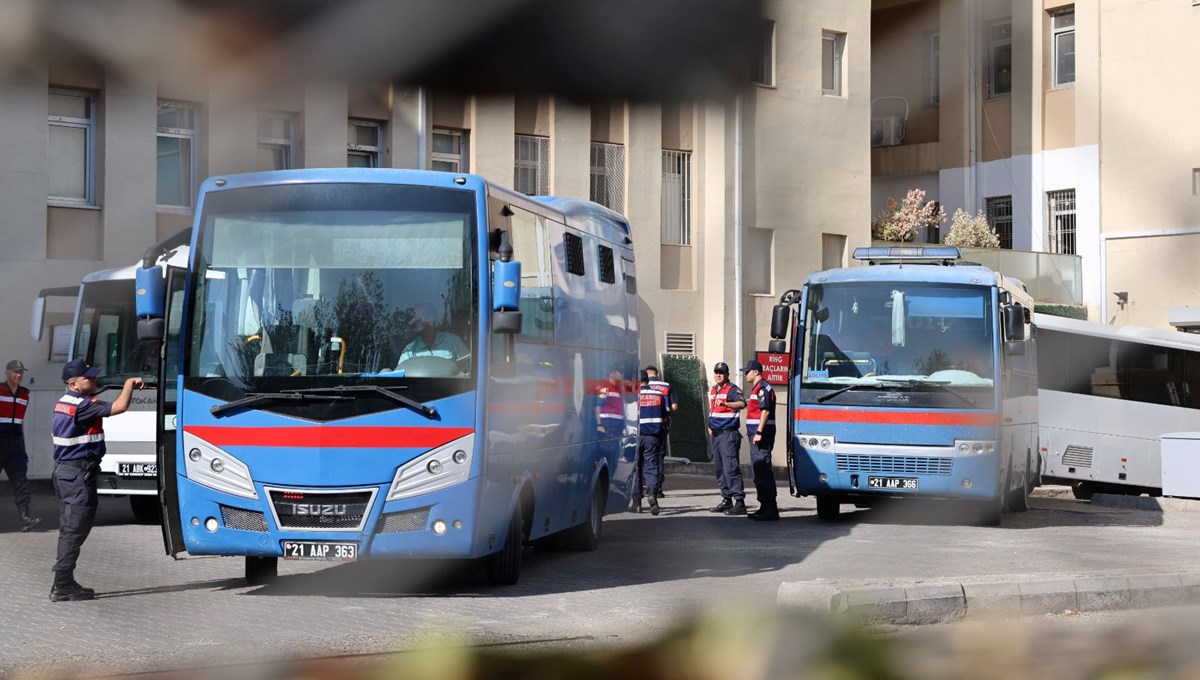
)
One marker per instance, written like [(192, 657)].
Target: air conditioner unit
[(887, 131)]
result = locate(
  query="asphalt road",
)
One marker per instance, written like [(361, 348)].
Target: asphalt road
[(649, 574)]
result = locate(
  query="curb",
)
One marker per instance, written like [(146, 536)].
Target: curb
[(947, 602), (1156, 504)]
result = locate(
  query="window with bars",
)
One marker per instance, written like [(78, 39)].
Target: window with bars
[(608, 272), (1062, 221), (1000, 58), (1062, 28), (176, 142), (276, 141), (677, 197), (449, 151), (362, 143), (999, 211), (532, 165), (72, 121), (574, 254), (608, 175)]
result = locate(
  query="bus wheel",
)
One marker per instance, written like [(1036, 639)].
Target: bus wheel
[(586, 536), (1018, 498), (261, 570), (828, 508), (990, 511), (504, 568), (1083, 490), (145, 508)]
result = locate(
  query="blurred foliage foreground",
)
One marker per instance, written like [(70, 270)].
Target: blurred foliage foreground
[(779, 644)]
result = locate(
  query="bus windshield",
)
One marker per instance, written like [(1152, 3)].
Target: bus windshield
[(106, 335), (317, 284), (917, 337)]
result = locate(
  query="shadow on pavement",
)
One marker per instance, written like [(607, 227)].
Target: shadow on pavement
[(1043, 512)]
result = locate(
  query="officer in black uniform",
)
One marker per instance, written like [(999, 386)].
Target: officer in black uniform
[(724, 402), (760, 431), (78, 433)]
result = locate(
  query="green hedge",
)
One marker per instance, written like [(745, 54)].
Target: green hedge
[(1069, 311), (689, 434)]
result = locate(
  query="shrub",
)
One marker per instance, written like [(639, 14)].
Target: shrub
[(971, 231), (900, 221)]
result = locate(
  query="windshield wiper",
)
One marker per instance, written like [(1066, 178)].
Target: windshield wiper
[(841, 390), (258, 397), (909, 382), (430, 412)]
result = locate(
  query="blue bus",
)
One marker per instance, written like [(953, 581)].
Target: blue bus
[(915, 376), (389, 363)]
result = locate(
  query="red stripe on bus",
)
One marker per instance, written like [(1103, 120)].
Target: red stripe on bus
[(875, 417), (329, 437)]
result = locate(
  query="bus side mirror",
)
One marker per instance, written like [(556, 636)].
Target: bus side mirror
[(1014, 348), (150, 302), (777, 346), (506, 290), (1014, 323), (38, 320), (781, 315)]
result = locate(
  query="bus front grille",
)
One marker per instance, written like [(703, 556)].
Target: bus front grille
[(911, 465), (246, 520), (1077, 456), (307, 509), (400, 522)]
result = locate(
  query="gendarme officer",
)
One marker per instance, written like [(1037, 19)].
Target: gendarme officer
[(724, 402), (78, 434), (760, 430), (14, 461)]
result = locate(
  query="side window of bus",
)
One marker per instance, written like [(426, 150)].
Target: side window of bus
[(531, 248)]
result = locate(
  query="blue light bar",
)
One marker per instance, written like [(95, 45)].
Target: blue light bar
[(911, 253)]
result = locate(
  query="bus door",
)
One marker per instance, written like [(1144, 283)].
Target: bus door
[(168, 376)]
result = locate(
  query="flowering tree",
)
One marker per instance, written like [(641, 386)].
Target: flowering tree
[(971, 231), (901, 221)]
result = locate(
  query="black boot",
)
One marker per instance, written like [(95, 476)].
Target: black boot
[(765, 513), (654, 505), (658, 493), (28, 521), (635, 504), (66, 589), (739, 508), (725, 504)]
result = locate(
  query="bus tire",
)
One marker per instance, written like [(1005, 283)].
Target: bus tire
[(503, 568), (1018, 498), (1083, 490), (991, 511), (145, 508), (828, 508), (586, 536), (261, 570)]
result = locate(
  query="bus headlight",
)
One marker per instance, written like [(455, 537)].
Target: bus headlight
[(971, 447), (207, 465), (443, 467), (823, 443)]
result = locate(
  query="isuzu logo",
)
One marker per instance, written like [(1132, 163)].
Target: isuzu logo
[(318, 509)]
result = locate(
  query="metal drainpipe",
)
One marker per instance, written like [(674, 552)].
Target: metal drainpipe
[(737, 234)]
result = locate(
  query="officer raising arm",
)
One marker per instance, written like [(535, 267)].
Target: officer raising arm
[(724, 402), (78, 434)]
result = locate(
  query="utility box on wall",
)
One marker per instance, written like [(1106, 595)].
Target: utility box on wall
[(1181, 464)]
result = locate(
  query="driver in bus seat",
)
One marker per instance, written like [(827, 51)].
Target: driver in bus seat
[(431, 340)]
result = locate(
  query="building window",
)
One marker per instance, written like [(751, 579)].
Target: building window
[(531, 171), (764, 67), (72, 119), (276, 141), (999, 211), (935, 69), (1062, 30), (1000, 58), (677, 197), (363, 144), (176, 153), (1062, 221), (832, 47), (608, 175), (449, 151)]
